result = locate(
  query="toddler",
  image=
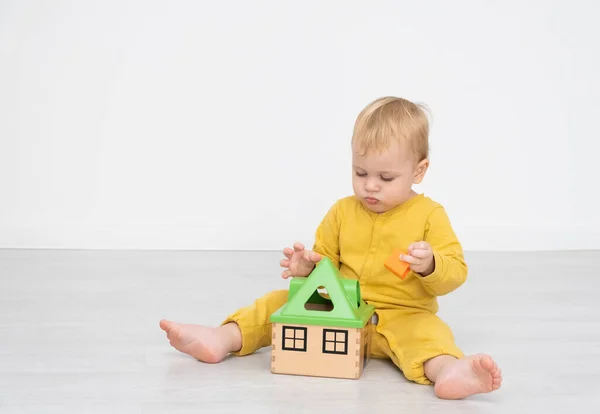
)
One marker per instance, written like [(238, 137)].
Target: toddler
[(389, 154)]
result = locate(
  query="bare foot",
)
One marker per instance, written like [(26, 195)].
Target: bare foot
[(467, 376), (206, 344)]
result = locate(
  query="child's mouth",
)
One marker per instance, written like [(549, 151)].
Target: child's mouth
[(371, 200)]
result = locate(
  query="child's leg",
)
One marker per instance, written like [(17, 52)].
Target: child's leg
[(423, 347), (253, 322), (243, 332)]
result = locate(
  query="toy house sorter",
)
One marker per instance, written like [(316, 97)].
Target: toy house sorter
[(323, 335)]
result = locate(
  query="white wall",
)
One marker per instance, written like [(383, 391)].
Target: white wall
[(205, 125)]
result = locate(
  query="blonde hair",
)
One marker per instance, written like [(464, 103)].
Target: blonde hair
[(389, 119)]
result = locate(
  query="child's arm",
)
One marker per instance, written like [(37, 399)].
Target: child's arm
[(327, 236), (449, 266)]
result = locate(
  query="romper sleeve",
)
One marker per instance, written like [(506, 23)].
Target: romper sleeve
[(450, 270), (327, 236)]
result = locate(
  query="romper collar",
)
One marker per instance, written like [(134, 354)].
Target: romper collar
[(401, 207)]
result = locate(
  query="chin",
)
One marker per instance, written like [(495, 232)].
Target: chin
[(375, 208)]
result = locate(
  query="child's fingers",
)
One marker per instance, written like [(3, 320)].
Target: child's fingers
[(284, 263), (420, 253), (409, 259), (288, 252), (298, 247), (418, 245), (314, 257), (422, 245), (285, 274)]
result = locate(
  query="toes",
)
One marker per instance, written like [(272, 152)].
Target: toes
[(488, 364), (168, 327), (164, 324), (496, 379)]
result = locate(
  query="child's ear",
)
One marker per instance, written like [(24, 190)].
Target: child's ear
[(420, 171)]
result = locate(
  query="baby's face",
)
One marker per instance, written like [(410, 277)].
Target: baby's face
[(383, 180)]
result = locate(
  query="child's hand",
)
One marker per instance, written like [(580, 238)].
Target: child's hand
[(299, 261), (420, 258)]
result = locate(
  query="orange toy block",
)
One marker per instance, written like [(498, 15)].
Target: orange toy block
[(397, 266)]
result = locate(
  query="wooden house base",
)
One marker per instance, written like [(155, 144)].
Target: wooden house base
[(320, 351)]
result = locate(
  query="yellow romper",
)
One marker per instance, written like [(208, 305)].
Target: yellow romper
[(358, 241)]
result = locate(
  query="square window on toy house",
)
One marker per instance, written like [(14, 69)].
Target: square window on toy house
[(335, 341), (294, 339)]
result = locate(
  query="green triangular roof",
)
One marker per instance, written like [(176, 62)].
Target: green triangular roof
[(349, 310)]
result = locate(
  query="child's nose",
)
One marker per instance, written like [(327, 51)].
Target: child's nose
[(371, 185)]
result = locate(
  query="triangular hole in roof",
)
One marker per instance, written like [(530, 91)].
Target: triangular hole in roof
[(319, 301)]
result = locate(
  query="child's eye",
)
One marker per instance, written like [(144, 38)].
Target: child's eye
[(387, 179), (360, 174)]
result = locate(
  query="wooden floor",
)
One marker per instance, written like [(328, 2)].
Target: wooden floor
[(79, 334)]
